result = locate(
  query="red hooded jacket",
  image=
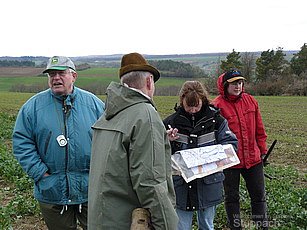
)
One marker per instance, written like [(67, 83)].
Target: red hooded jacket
[(244, 119)]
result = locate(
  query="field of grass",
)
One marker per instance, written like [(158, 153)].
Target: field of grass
[(285, 119), (86, 79)]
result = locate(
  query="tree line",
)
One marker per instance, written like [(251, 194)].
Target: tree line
[(271, 73), (268, 74), (170, 68), (16, 63)]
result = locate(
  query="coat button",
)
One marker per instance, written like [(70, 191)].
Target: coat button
[(190, 186)]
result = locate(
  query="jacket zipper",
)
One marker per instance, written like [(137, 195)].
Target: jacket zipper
[(193, 120), (66, 146)]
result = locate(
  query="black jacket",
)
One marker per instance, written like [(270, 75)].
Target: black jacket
[(204, 128)]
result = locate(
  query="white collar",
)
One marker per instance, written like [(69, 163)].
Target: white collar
[(137, 90)]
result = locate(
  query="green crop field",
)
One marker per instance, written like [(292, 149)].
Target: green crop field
[(6, 83), (285, 119), (86, 79)]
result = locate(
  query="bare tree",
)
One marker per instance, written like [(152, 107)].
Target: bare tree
[(248, 60)]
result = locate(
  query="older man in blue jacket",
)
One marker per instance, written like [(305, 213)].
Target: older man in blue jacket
[(52, 142)]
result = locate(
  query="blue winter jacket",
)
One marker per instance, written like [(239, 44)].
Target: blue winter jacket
[(42, 119)]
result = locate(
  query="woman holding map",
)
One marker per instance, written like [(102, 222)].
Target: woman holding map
[(196, 123)]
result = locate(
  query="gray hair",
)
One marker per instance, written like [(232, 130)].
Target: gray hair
[(71, 70), (135, 79)]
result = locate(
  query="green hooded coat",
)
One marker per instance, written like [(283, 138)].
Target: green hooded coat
[(130, 164)]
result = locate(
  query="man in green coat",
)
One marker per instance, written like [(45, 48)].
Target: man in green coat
[(131, 155)]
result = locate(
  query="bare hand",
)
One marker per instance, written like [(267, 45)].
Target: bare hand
[(172, 133)]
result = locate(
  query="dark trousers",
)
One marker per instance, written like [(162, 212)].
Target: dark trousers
[(59, 217), (254, 180)]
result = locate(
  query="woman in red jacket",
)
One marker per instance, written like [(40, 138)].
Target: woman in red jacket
[(244, 119)]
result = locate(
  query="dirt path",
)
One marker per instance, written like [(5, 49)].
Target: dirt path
[(17, 71)]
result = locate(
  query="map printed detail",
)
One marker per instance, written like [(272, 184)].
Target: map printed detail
[(200, 162), (203, 155)]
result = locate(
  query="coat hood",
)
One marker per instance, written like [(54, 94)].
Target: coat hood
[(220, 85), (120, 97)]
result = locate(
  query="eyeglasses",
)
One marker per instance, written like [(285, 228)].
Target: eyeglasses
[(60, 73)]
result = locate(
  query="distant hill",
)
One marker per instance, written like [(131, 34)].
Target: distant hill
[(206, 61)]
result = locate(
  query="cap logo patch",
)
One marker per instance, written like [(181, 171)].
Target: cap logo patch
[(54, 60)]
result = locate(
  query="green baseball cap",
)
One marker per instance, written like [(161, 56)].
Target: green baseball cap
[(59, 63)]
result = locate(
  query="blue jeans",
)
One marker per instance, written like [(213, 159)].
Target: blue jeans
[(205, 219)]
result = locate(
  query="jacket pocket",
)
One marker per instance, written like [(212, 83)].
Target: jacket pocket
[(178, 181), (181, 191), (249, 110), (214, 178), (50, 188), (212, 190), (78, 186)]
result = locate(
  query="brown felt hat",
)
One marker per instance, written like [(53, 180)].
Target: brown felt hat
[(136, 62)]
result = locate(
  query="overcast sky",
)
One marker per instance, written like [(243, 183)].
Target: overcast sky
[(99, 27)]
